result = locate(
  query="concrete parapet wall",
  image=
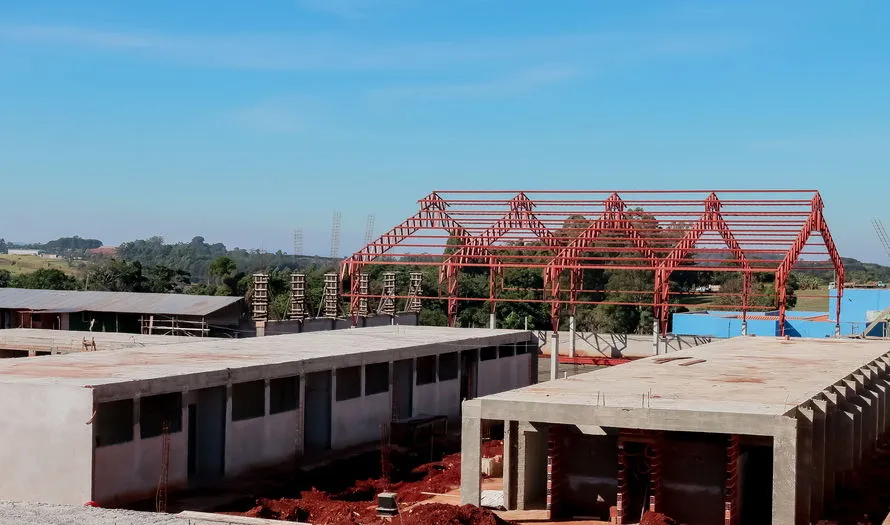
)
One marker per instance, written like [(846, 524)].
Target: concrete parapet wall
[(592, 344), (47, 443)]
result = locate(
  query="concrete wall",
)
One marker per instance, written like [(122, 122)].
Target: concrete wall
[(706, 325), (258, 442), (356, 421), (439, 398), (595, 344), (503, 373), (321, 324), (857, 302), (131, 471), (47, 443)]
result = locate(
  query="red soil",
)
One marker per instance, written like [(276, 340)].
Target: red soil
[(656, 518), (492, 448), (443, 514), (357, 505)]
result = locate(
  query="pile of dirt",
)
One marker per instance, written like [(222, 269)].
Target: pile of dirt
[(443, 514), (492, 448), (657, 518), (357, 504)]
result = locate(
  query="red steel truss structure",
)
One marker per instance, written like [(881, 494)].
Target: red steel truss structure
[(564, 233)]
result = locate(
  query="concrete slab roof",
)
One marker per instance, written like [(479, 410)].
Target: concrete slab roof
[(93, 369), (745, 375), (110, 302), (63, 341)]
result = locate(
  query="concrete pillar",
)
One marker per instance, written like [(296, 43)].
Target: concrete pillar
[(554, 356), (470, 460), (531, 487), (830, 461), (492, 321), (511, 460), (845, 440), (572, 336), (655, 336), (817, 485), (791, 471), (260, 328)]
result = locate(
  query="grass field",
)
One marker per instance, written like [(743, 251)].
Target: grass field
[(807, 301), (812, 300), (17, 264)]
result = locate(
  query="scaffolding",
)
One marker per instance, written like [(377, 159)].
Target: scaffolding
[(388, 298), (260, 296), (566, 235), (364, 289), (415, 283), (331, 308), (298, 296)]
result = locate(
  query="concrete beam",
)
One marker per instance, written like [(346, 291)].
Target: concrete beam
[(640, 418)]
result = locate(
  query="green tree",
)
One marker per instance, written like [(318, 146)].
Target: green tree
[(44, 279), (3, 246), (117, 276), (222, 268), (162, 279), (5, 278)]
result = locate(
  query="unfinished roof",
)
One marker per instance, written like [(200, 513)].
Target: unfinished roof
[(227, 355), (63, 341), (744, 375), (121, 302)]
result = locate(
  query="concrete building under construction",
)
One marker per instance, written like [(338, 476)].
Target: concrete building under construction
[(120, 426), (748, 430)]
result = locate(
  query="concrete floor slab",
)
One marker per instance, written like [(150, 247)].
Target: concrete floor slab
[(744, 375)]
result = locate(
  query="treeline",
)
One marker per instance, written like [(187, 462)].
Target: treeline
[(197, 267), (61, 246), (196, 256)]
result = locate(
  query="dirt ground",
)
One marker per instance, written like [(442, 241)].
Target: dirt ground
[(357, 503)]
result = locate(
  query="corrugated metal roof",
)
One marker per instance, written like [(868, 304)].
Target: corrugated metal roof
[(123, 302)]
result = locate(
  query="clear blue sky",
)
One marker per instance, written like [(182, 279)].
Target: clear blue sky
[(241, 121)]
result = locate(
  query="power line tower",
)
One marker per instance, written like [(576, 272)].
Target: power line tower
[(882, 235), (298, 243), (369, 230), (335, 236)]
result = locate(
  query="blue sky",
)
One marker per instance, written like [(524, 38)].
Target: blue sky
[(241, 121)]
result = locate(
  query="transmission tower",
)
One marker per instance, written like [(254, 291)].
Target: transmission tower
[(335, 236), (369, 230), (298, 243), (882, 234)]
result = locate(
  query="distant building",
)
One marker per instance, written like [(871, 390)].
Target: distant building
[(110, 251), (20, 251), (129, 312)]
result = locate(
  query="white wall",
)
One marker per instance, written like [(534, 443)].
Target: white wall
[(47, 443), (503, 373), (262, 441), (131, 471), (439, 398), (358, 420)]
